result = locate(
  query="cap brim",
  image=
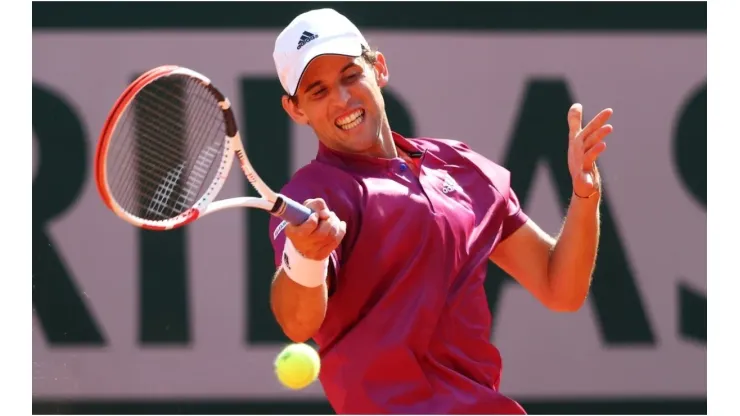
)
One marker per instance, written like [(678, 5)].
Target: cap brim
[(339, 46)]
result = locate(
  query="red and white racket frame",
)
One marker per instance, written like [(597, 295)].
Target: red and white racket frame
[(270, 201)]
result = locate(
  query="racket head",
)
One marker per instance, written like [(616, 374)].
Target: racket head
[(165, 149)]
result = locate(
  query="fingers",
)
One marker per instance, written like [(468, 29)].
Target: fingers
[(332, 232), (597, 136), (318, 206), (320, 234), (303, 230), (327, 237), (597, 122), (575, 119), (592, 154), (315, 204), (331, 227), (320, 213)]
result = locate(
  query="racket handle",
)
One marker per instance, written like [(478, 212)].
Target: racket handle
[(294, 213)]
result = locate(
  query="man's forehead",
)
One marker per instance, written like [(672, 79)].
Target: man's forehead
[(327, 66)]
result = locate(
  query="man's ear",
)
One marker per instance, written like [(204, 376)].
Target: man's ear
[(291, 107), (381, 70)]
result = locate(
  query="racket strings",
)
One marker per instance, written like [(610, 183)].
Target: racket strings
[(152, 128), (204, 161), (188, 190), (147, 133), (166, 148), (147, 129)]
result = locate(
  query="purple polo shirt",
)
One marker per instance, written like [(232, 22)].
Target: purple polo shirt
[(408, 326)]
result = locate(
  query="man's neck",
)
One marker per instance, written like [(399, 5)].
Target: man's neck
[(384, 147), (388, 149)]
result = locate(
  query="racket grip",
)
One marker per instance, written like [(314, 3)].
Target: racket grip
[(294, 213)]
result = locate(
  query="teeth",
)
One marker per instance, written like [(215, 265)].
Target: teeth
[(349, 119), (353, 124)]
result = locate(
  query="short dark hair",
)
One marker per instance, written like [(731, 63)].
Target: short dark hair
[(370, 56)]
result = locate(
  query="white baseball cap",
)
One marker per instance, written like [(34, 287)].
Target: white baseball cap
[(312, 34)]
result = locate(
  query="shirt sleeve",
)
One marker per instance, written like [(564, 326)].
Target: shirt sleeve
[(515, 218), (307, 185), (500, 178)]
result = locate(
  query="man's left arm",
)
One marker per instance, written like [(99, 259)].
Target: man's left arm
[(557, 271)]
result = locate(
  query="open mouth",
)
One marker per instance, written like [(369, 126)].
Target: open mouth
[(351, 120)]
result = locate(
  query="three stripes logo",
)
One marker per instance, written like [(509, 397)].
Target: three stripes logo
[(449, 184), (305, 38)]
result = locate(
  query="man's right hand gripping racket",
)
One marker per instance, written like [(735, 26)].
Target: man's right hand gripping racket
[(166, 149)]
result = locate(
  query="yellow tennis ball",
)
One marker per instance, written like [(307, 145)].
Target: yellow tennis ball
[(297, 366)]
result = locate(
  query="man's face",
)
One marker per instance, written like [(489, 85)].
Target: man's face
[(340, 98)]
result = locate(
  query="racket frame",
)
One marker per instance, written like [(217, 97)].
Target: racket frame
[(276, 204)]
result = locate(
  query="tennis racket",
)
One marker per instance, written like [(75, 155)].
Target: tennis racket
[(166, 150)]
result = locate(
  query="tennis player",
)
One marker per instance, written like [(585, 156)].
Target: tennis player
[(387, 275)]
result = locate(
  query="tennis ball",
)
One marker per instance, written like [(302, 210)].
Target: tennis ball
[(297, 366)]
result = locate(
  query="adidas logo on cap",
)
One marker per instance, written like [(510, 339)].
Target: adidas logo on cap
[(305, 38)]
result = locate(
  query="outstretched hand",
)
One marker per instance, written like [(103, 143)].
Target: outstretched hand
[(584, 147)]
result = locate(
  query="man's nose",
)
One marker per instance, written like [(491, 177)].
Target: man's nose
[(342, 94)]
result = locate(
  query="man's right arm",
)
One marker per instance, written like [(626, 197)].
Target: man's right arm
[(299, 291), (299, 310)]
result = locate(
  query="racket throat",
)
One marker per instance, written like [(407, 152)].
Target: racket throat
[(278, 208)]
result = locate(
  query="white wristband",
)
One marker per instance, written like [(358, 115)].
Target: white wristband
[(305, 272)]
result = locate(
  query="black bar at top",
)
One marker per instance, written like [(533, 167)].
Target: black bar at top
[(437, 16)]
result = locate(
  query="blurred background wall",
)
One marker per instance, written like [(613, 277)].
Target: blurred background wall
[(130, 321)]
